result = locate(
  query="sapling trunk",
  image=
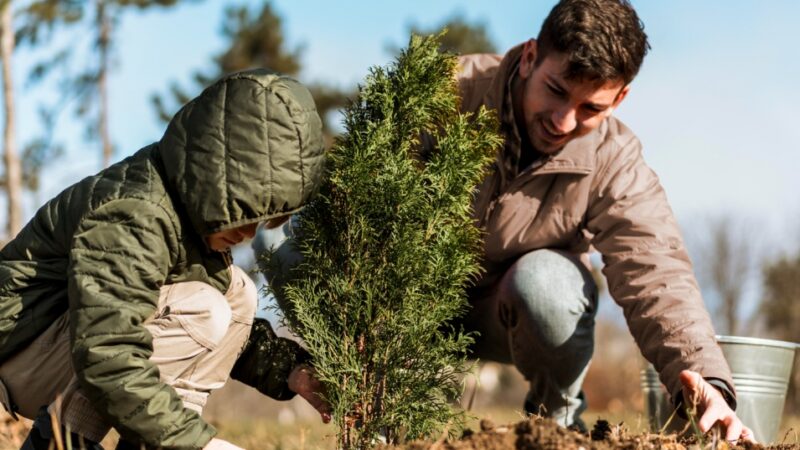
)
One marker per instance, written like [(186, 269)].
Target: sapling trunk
[(388, 248)]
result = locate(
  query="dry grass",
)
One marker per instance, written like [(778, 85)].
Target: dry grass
[(790, 431), (266, 434)]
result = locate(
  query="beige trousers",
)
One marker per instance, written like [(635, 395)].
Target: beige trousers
[(198, 333)]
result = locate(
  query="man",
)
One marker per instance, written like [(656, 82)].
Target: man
[(571, 177), (119, 304)]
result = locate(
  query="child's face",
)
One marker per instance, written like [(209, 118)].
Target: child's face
[(276, 222), (223, 240)]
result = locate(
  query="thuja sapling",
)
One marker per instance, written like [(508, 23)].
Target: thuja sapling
[(388, 248)]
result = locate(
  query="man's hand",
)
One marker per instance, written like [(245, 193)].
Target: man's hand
[(302, 381), (712, 407), (219, 444)]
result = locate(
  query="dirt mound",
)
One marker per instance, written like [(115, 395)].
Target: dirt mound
[(544, 434)]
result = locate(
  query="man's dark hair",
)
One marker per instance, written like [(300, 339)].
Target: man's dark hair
[(603, 40)]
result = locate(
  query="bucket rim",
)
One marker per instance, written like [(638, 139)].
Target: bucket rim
[(756, 341)]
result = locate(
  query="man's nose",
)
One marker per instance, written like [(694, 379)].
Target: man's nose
[(564, 120)]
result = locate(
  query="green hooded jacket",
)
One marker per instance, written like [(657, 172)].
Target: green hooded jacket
[(249, 148)]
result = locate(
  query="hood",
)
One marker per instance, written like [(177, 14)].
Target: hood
[(247, 149)]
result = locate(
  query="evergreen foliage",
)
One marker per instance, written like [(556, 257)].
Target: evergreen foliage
[(388, 249)]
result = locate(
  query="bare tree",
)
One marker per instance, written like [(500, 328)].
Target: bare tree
[(103, 25), (13, 170), (88, 87), (781, 310), (726, 267)]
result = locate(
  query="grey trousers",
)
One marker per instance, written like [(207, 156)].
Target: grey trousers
[(539, 317)]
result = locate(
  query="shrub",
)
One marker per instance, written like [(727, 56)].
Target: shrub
[(388, 249)]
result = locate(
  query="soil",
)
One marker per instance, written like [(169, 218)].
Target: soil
[(533, 434), (544, 434)]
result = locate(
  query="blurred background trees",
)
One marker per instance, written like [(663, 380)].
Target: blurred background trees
[(780, 310), (255, 39), (727, 258), (80, 67), (463, 37), (82, 70)]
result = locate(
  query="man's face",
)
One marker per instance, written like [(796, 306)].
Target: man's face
[(557, 110), (223, 240)]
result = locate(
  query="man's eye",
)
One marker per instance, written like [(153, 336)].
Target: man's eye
[(556, 91), (594, 109)]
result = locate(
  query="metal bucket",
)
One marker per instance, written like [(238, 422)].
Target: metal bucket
[(761, 371)]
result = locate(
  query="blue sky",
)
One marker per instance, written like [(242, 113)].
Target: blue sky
[(716, 103)]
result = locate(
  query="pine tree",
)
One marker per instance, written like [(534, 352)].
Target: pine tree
[(388, 249)]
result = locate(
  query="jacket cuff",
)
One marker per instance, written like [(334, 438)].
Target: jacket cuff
[(267, 360), (727, 391)]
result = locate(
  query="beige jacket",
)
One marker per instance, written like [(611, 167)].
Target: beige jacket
[(597, 192)]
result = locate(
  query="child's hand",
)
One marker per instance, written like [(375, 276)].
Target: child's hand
[(303, 382)]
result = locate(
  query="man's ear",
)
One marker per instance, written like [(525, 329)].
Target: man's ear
[(621, 96), (528, 60)]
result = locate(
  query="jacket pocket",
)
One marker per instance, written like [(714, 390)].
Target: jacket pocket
[(192, 308)]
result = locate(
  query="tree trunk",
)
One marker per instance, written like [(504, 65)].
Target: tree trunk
[(12, 163), (103, 41), (732, 301)]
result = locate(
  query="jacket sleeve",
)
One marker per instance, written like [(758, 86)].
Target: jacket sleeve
[(649, 272), (120, 256), (267, 360)]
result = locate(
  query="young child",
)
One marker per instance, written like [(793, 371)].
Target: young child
[(119, 304)]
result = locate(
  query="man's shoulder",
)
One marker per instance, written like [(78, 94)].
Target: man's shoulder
[(613, 146), (478, 66), (617, 134), (610, 144), (476, 76)]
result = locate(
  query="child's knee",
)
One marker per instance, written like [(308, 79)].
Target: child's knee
[(242, 296), (198, 308)]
